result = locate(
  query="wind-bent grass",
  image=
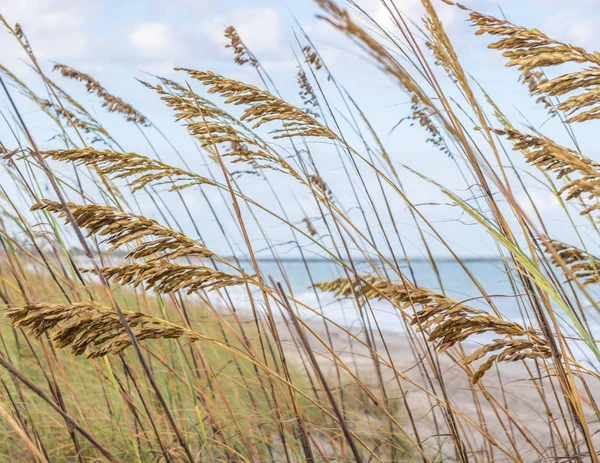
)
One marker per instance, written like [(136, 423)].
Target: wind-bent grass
[(125, 338)]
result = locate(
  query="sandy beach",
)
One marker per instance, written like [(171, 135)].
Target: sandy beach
[(522, 388)]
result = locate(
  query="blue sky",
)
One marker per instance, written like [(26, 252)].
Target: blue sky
[(116, 41)]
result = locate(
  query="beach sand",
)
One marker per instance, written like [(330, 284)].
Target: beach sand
[(532, 403)]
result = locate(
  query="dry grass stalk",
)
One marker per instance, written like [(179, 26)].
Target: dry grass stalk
[(341, 20), (70, 117), (211, 125), (19, 33), (127, 165), (530, 49), (551, 157), (241, 53), (112, 103), (73, 113), (447, 321), (165, 277), (309, 226), (123, 228), (580, 264), (69, 110), (183, 101), (307, 94), (534, 79), (312, 57), (423, 115), (87, 325), (23, 88), (262, 107), (318, 182), (79, 118), (423, 107)]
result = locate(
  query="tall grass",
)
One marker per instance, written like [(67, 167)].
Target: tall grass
[(124, 339)]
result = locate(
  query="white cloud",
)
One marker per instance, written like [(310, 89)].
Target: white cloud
[(570, 5), (262, 30), (579, 30), (544, 201), (183, 5), (56, 28), (154, 39), (48, 14)]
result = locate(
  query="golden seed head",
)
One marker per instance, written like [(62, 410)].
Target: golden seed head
[(112, 103)]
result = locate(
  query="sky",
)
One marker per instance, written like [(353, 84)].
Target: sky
[(117, 41)]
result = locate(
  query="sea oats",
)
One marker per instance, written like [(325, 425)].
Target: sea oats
[(89, 326), (8, 154), (318, 182), (440, 45), (579, 264), (213, 126), (71, 118), (166, 277), (121, 228), (424, 116), (241, 53), (262, 107), (347, 287), (185, 102), (534, 80), (20, 34), (248, 392), (50, 108), (307, 94), (447, 321), (547, 155), (312, 57), (309, 226), (112, 103), (68, 109), (81, 120), (139, 169), (387, 62), (530, 50)]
